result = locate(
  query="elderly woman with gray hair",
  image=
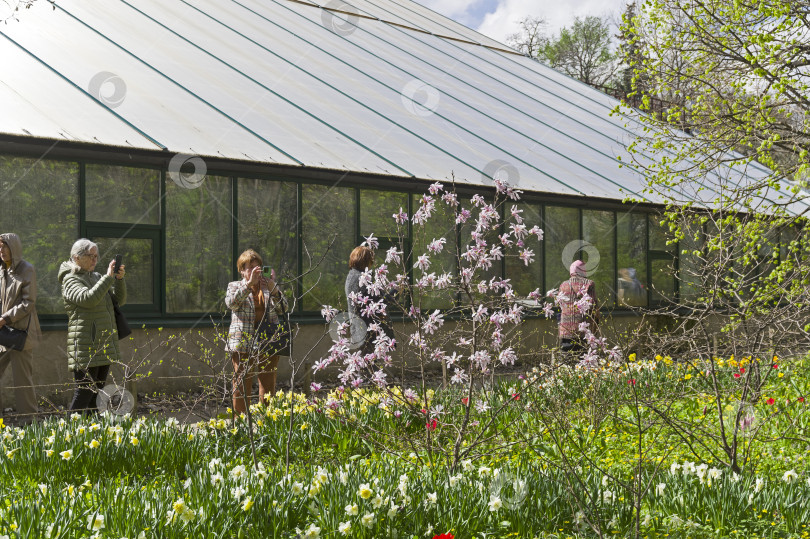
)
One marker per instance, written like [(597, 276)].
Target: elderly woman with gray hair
[(92, 335)]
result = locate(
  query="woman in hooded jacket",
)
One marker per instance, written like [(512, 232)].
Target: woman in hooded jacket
[(18, 297), (92, 334)]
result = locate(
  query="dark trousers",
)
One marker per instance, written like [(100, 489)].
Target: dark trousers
[(88, 384)]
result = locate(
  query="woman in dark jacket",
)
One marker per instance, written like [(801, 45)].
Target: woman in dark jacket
[(92, 335), (361, 259)]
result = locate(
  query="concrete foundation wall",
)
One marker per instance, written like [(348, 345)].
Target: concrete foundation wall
[(172, 360)]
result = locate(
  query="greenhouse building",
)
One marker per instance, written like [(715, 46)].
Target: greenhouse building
[(178, 134)]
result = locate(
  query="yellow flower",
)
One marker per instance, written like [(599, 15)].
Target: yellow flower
[(134, 440), (67, 455), (49, 453), (248, 504), (364, 491), (687, 376), (94, 443), (780, 375)]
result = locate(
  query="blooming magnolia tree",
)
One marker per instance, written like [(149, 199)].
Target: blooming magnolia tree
[(451, 279)]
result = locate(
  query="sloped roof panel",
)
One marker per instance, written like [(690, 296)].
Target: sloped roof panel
[(396, 90)]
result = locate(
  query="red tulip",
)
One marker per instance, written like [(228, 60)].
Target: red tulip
[(444, 536), (770, 401)]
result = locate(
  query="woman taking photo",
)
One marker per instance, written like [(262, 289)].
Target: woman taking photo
[(255, 337), (92, 335)]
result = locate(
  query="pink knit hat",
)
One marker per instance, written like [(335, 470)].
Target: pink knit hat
[(577, 268)]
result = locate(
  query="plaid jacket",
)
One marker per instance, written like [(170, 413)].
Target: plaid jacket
[(243, 316), (571, 317)]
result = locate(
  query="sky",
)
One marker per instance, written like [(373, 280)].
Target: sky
[(499, 18)]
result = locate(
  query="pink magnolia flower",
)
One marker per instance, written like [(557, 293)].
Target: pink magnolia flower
[(401, 217)]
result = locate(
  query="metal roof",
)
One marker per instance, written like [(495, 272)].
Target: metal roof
[(382, 86)]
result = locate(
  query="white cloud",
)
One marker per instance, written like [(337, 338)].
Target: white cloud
[(500, 22)]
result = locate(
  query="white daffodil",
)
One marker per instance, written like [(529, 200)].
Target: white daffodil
[(432, 498), (495, 503), (790, 477), (659, 490), (368, 520), (344, 528), (95, 522), (759, 484), (352, 510), (364, 491), (217, 480)]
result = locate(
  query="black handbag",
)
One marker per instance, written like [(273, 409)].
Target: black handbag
[(272, 338), (121, 323), (13, 339)]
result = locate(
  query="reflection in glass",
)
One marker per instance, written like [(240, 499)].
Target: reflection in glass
[(139, 262), (525, 278), (377, 209), (561, 228), (659, 234), (40, 203), (663, 280), (122, 195), (198, 245), (442, 224), (268, 220), (631, 238), (598, 229), (328, 236)]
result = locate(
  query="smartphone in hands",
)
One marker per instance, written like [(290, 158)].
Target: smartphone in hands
[(267, 272), (117, 266)]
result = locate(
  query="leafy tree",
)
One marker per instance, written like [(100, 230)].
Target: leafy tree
[(583, 51), (728, 155)]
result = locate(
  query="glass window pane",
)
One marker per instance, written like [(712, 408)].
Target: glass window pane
[(122, 195), (560, 230), (442, 224), (631, 238), (525, 278), (663, 280), (377, 209), (691, 264), (598, 229), (268, 221), (328, 236), (40, 203), (139, 262), (659, 234), (198, 245)]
